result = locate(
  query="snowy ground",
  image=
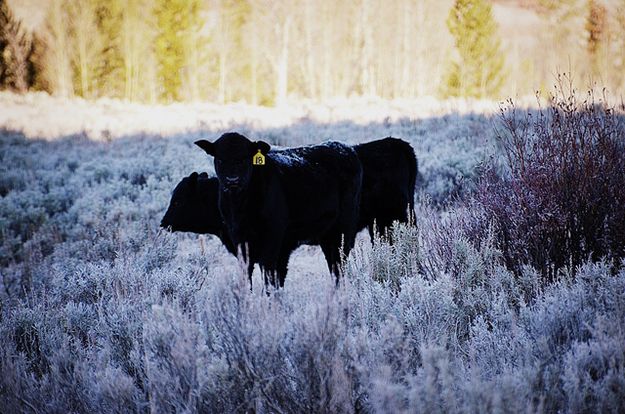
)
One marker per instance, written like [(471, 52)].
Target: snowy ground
[(100, 311)]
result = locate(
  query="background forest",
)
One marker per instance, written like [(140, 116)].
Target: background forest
[(264, 52)]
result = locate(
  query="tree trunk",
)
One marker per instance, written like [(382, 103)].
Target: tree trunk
[(283, 64), (311, 83)]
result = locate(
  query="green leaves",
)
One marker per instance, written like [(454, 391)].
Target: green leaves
[(479, 71), (176, 22)]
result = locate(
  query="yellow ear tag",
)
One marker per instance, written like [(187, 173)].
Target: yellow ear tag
[(258, 159)]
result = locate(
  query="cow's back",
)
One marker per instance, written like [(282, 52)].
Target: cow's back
[(319, 183)]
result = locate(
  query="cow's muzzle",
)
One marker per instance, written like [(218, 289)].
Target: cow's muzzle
[(232, 183)]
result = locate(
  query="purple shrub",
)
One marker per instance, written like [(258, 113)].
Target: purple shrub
[(559, 200)]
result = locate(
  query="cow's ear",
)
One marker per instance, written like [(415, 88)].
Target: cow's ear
[(193, 178), (203, 175), (207, 146), (262, 146)]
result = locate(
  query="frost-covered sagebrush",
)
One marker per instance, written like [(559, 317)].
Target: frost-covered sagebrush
[(102, 312)]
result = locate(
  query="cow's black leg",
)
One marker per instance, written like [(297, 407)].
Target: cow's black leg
[(272, 277), (283, 263), (273, 247), (332, 253), (371, 232), (277, 275), (269, 266)]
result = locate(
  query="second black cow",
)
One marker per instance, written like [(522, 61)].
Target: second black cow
[(193, 208), (389, 169)]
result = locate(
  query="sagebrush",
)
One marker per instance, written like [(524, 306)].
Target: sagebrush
[(101, 312)]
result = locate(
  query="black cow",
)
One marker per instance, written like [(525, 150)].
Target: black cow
[(389, 173), (193, 208), (389, 169), (305, 195)]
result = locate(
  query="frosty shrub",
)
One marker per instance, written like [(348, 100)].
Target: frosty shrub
[(102, 312), (559, 200), (390, 262)]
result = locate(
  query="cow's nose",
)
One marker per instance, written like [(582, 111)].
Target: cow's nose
[(232, 180)]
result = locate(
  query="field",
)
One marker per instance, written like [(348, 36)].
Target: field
[(103, 312)]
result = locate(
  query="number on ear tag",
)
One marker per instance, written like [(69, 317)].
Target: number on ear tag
[(258, 159)]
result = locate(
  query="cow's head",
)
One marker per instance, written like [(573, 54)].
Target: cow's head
[(233, 159), (193, 206)]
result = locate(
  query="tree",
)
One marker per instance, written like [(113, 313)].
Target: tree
[(618, 47), (58, 72), (364, 39), (110, 67), (480, 71), (560, 36), (136, 40), (237, 62), (86, 46), (37, 77), (3, 42), (174, 18), (596, 28), (196, 52), (16, 49)]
